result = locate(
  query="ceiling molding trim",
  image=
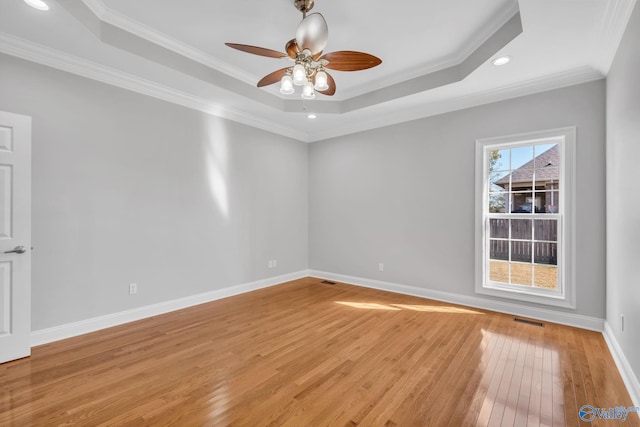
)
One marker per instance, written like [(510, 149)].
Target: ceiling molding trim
[(44, 55), (466, 50), (495, 43), (143, 31), (502, 30), (130, 35), (614, 23), (96, 7), (556, 81)]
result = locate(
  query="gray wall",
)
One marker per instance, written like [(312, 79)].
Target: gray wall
[(404, 195), (623, 200), (127, 188)]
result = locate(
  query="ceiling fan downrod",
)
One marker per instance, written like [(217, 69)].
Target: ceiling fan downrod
[(303, 6)]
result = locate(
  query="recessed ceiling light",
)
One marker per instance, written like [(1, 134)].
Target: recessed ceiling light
[(311, 116), (37, 4), (503, 60)]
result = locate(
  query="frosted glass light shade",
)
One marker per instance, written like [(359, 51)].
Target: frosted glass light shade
[(286, 85), (312, 33), (321, 81), (299, 75), (307, 91)]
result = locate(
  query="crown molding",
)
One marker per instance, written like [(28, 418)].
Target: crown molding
[(33, 52), (97, 7), (132, 36), (44, 55), (123, 22), (613, 25), (465, 50), (542, 84)]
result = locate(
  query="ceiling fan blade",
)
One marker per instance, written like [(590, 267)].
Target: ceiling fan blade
[(257, 50), (332, 86), (272, 78), (347, 60), (292, 48)]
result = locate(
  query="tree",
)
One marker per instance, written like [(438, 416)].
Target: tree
[(497, 201)]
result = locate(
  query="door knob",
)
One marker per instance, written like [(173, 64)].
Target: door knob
[(16, 250)]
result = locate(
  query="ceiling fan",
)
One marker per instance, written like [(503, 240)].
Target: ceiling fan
[(305, 50)]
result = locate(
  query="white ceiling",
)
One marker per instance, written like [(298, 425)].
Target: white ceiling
[(436, 54)]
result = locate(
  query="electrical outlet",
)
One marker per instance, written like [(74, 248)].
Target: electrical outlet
[(270, 264), (381, 267), (622, 322), (133, 288), (275, 263)]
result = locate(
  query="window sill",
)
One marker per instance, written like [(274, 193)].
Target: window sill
[(522, 295)]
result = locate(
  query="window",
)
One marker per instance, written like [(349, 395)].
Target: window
[(524, 217)]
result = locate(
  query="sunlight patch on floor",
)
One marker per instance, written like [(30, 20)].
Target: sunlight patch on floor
[(437, 308), (413, 307), (369, 305)]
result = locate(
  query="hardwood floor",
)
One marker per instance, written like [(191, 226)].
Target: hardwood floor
[(310, 354)]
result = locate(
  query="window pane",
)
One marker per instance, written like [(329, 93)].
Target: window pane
[(499, 249), (499, 271), (522, 179), (546, 229), (521, 274), (499, 228), (546, 276), (521, 251), (547, 178), (499, 181), (522, 156), (547, 155), (546, 253), (498, 202), (499, 160), (551, 200), (522, 202), (521, 229)]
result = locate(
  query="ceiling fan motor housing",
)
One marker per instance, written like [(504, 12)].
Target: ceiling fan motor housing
[(303, 5)]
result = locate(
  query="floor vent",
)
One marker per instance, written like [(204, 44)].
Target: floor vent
[(328, 282), (528, 322)]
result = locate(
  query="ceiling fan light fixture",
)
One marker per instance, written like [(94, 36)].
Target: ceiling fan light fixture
[(299, 75), (306, 51), (321, 81), (286, 85), (313, 33), (307, 91)]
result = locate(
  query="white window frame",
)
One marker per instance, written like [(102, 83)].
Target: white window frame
[(565, 296)]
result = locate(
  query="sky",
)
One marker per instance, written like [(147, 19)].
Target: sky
[(519, 156)]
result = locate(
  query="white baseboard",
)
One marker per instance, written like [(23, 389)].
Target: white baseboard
[(628, 376), (69, 330), (570, 319)]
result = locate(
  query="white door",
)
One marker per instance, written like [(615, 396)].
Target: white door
[(15, 236)]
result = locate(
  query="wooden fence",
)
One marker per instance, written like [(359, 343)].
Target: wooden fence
[(542, 250)]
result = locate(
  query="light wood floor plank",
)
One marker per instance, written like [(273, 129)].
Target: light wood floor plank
[(310, 354)]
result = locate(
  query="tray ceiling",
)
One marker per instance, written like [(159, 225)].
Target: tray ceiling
[(436, 55)]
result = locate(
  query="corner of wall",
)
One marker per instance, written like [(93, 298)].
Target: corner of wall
[(628, 376)]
